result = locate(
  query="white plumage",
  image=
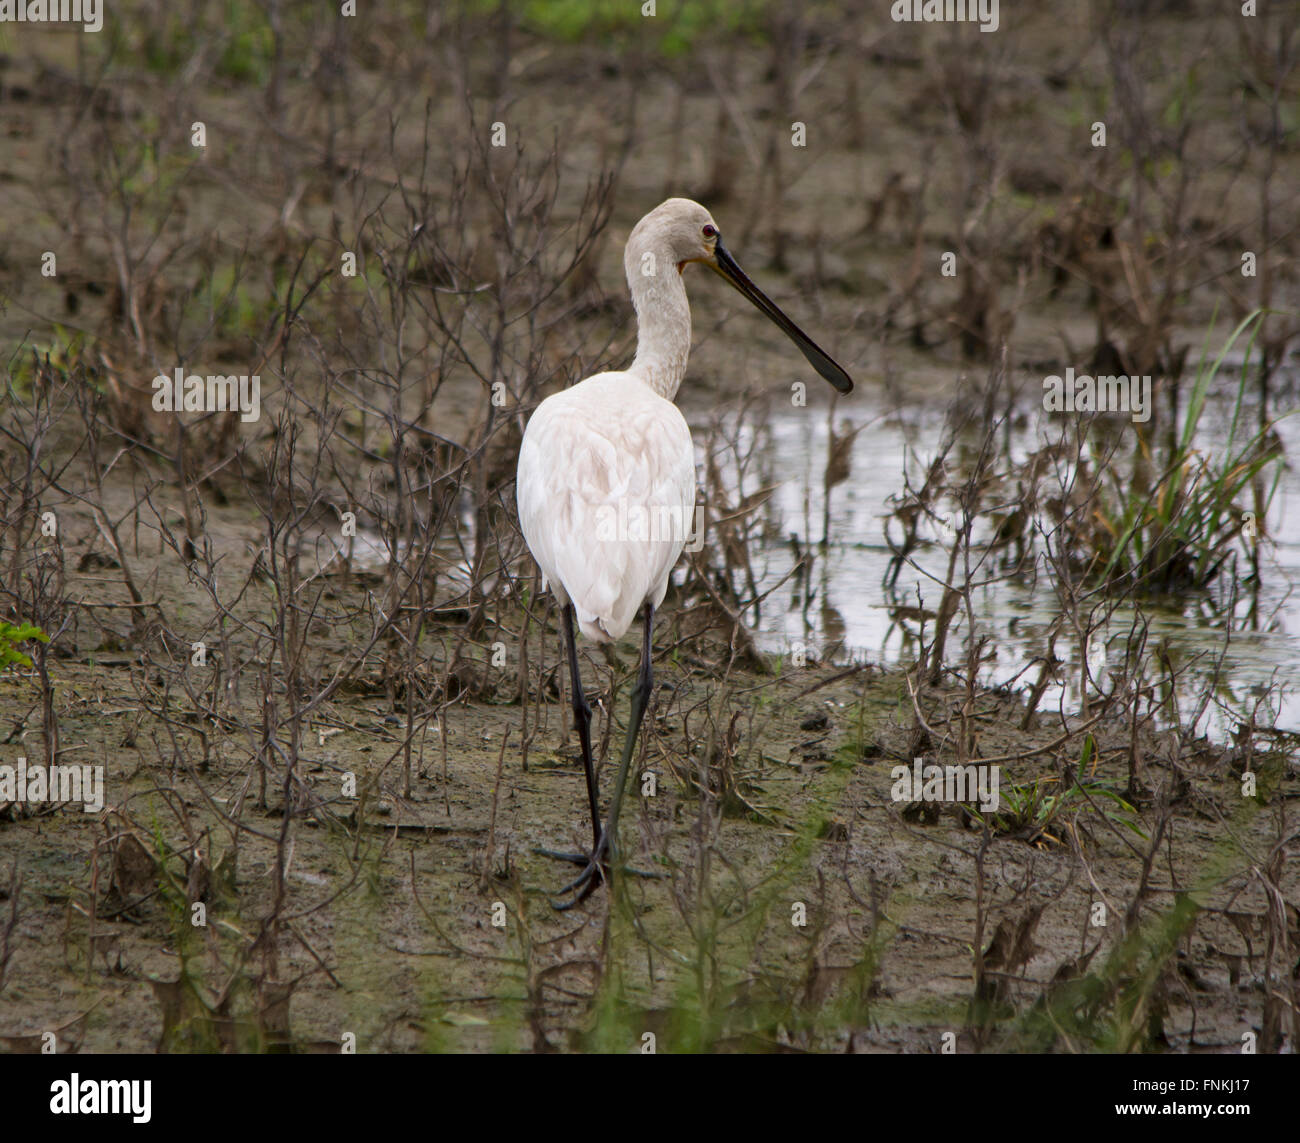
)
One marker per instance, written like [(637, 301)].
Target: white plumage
[(606, 491)]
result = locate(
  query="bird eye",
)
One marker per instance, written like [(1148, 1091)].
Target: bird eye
[(710, 231)]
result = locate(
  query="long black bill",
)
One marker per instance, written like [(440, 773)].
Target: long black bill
[(817, 357)]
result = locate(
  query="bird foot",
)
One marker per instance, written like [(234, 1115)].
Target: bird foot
[(595, 871), (578, 859)]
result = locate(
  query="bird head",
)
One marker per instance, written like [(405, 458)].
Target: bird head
[(687, 233)]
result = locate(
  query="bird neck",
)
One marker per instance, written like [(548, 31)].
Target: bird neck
[(663, 317)]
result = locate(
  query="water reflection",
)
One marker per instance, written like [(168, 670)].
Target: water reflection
[(855, 598)]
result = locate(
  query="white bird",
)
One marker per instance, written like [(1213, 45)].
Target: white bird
[(606, 478)]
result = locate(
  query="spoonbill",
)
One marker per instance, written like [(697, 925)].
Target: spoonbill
[(607, 463)]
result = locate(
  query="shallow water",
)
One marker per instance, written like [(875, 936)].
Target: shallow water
[(849, 612)]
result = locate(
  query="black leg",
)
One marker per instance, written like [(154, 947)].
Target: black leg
[(594, 872), (582, 720)]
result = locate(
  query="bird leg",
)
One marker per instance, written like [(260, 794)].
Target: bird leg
[(582, 720), (597, 865)]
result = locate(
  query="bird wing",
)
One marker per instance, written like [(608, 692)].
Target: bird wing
[(606, 492)]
